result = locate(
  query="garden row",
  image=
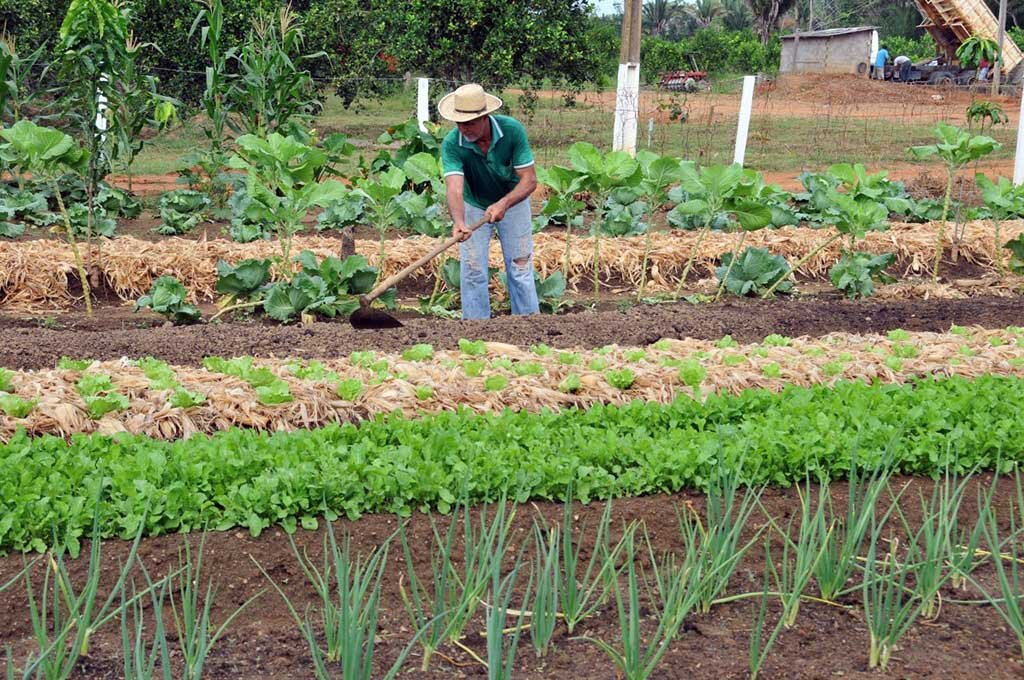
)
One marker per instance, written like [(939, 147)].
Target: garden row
[(150, 397), (42, 273), (240, 477), (287, 176)]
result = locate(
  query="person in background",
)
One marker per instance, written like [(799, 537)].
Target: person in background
[(489, 173), (983, 69), (880, 59), (902, 66)]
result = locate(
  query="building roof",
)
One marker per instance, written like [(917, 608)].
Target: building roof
[(828, 33)]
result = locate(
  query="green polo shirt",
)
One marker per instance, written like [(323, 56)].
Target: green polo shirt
[(488, 177)]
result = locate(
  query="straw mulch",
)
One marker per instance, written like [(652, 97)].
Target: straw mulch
[(231, 402), (37, 273)]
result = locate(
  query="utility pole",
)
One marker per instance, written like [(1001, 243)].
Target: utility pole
[(627, 92), (997, 67), (810, 16)]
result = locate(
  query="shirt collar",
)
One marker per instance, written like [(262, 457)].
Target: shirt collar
[(496, 133)]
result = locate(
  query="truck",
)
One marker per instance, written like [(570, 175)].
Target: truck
[(950, 22)]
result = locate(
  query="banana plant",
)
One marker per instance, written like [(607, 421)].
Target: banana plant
[(281, 176), (854, 218), (976, 49), (561, 206), (715, 192), (602, 173), (956, 148), (47, 154), (1003, 199), (659, 174)]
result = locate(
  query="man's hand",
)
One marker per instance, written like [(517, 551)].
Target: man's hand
[(495, 212), (460, 231)]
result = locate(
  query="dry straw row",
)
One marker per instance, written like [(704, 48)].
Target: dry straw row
[(231, 402), (38, 273)]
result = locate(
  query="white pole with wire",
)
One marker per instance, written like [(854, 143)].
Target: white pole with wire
[(746, 103), (1018, 158), (422, 102)]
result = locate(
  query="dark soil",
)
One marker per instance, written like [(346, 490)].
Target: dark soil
[(115, 332), (965, 641)]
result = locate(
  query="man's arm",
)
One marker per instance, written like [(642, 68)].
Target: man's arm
[(456, 207), (527, 183)]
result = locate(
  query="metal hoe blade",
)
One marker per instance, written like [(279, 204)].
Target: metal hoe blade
[(367, 318)]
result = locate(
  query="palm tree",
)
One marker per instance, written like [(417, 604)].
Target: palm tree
[(766, 16), (736, 15), (658, 15), (704, 11)]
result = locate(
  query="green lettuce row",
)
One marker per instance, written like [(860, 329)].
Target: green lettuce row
[(241, 477)]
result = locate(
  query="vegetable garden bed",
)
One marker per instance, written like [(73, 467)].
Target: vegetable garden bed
[(35, 274), (156, 399)]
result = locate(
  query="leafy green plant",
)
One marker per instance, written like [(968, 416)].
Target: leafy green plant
[(381, 196), (181, 210), (1016, 248), (562, 205), (985, 114), (167, 297), (956, 148), (241, 280), (328, 288), (281, 176), (659, 173), (342, 213), (754, 272), (1004, 200), (977, 49), (855, 273), (716, 192), (621, 379), (99, 394), (46, 153), (14, 406)]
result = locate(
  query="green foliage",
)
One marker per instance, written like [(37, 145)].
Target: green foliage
[(754, 271), (100, 397), (263, 478), (976, 49), (855, 273), (1016, 248), (918, 49), (168, 297), (347, 211), (181, 210), (956, 147), (41, 151), (242, 279), (327, 288), (269, 388), (715, 50), (14, 406)]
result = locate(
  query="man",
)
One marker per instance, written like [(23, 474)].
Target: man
[(880, 59), (489, 173), (901, 65)]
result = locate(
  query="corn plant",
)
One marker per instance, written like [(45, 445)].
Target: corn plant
[(546, 579), (676, 592), (191, 610), (890, 605), (501, 652), (956, 148), (63, 618)]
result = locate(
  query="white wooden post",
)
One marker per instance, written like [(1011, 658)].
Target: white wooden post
[(422, 102), (746, 102), (627, 91), (1018, 158)]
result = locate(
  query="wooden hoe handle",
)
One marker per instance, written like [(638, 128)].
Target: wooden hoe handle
[(434, 252)]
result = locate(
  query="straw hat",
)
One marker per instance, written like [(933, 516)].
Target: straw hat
[(466, 103)]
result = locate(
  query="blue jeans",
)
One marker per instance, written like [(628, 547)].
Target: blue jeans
[(515, 231)]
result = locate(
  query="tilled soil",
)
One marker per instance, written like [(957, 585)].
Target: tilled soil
[(114, 331), (964, 641)]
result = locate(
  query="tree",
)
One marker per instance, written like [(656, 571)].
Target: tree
[(658, 15), (767, 14), (492, 41), (704, 12), (735, 15)]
